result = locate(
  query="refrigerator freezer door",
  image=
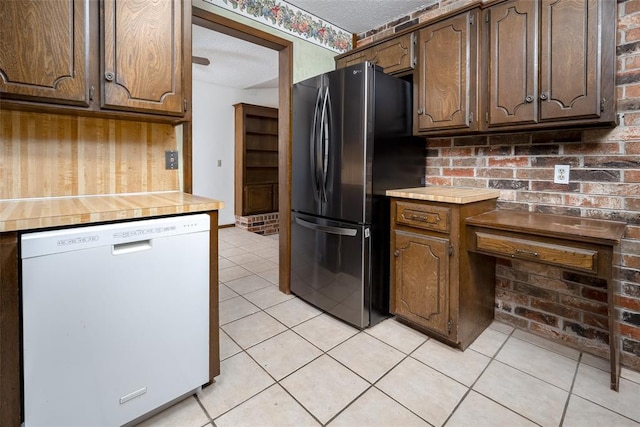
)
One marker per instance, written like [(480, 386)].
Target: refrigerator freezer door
[(332, 127), (330, 265), (307, 109)]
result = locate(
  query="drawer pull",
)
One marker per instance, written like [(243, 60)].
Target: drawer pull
[(396, 253), (430, 219), (525, 252)]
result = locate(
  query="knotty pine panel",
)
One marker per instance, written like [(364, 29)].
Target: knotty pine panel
[(44, 155)]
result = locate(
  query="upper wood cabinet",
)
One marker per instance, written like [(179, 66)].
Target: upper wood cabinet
[(44, 48), (112, 59), (142, 63), (445, 90), (395, 56), (550, 63)]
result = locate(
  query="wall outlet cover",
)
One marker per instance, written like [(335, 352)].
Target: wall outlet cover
[(561, 174)]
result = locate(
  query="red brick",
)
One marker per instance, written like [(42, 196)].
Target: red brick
[(521, 161), (631, 261), (585, 305), (632, 232), (632, 6), (632, 119), (593, 148), (539, 174), (632, 35), (537, 316), (632, 91), (632, 176), (630, 303), (457, 152), (594, 201), (632, 148), (594, 294), (458, 171), (434, 180), (601, 322), (632, 204), (513, 297), (510, 319), (586, 331), (630, 331), (555, 308), (438, 161), (632, 62), (540, 198), (611, 189), (468, 161), (494, 173)]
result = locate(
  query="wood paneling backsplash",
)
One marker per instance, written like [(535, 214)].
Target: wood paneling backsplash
[(44, 155)]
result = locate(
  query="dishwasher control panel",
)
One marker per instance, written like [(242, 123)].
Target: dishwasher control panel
[(70, 239)]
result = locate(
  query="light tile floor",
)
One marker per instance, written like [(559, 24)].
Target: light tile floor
[(284, 363)]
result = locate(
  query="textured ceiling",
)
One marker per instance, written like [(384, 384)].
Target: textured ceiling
[(243, 65), (357, 16), (234, 63)]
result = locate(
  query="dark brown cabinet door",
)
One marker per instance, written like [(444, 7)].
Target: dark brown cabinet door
[(569, 64), (446, 74), (142, 64), (43, 51), (512, 94), (421, 285), (258, 199), (394, 56)]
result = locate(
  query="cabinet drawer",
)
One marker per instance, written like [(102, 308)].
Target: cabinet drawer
[(424, 216), (560, 255)]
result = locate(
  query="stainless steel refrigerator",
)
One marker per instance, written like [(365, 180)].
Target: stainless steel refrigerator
[(351, 142)]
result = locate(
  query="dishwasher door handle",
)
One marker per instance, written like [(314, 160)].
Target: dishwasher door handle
[(127, 248)]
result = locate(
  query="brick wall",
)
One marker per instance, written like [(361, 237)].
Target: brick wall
[(604, 183), (264, 224)]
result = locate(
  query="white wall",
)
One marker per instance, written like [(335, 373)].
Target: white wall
[(213, 140)]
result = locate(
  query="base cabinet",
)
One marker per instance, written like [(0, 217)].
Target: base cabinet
[(437, 286), (422, 280)]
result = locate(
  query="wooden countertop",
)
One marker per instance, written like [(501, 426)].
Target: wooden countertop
[(29, 214), (559, 226), (456, 195)]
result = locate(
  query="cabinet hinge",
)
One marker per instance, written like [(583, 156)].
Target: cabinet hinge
[(486, 117), (602, 103), (449, 326), (450, 250), (470, 19), (185, 103), (92, 93), (486, 17), (471, 116)]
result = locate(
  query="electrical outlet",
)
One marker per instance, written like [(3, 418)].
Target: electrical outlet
[(561, 174)]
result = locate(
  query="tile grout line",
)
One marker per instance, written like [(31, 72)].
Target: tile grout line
[(573, 382)]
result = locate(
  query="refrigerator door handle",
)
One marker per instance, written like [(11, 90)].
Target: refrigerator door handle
[(313, 147), (327, 228), (325, 134)]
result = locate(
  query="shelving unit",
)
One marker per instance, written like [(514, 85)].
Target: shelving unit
[(256, 176)]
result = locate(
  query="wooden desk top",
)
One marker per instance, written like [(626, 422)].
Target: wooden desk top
[(29, 214), (560, 226), (455, 195)]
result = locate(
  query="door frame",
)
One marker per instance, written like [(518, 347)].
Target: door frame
[(284, 47)]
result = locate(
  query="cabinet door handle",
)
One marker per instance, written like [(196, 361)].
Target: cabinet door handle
[(544, 95), (396, 253), (529, 99), (108, 76), (420, 111)]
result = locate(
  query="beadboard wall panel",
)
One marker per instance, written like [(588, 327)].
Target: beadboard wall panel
[(45, 155)]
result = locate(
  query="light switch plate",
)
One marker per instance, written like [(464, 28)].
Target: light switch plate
[(170, 160)]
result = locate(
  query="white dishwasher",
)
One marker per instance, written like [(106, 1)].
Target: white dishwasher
[(115, 319)]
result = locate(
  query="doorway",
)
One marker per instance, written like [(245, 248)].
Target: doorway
[(284, 49)]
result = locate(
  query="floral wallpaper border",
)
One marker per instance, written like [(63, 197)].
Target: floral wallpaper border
[(286, 17)]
